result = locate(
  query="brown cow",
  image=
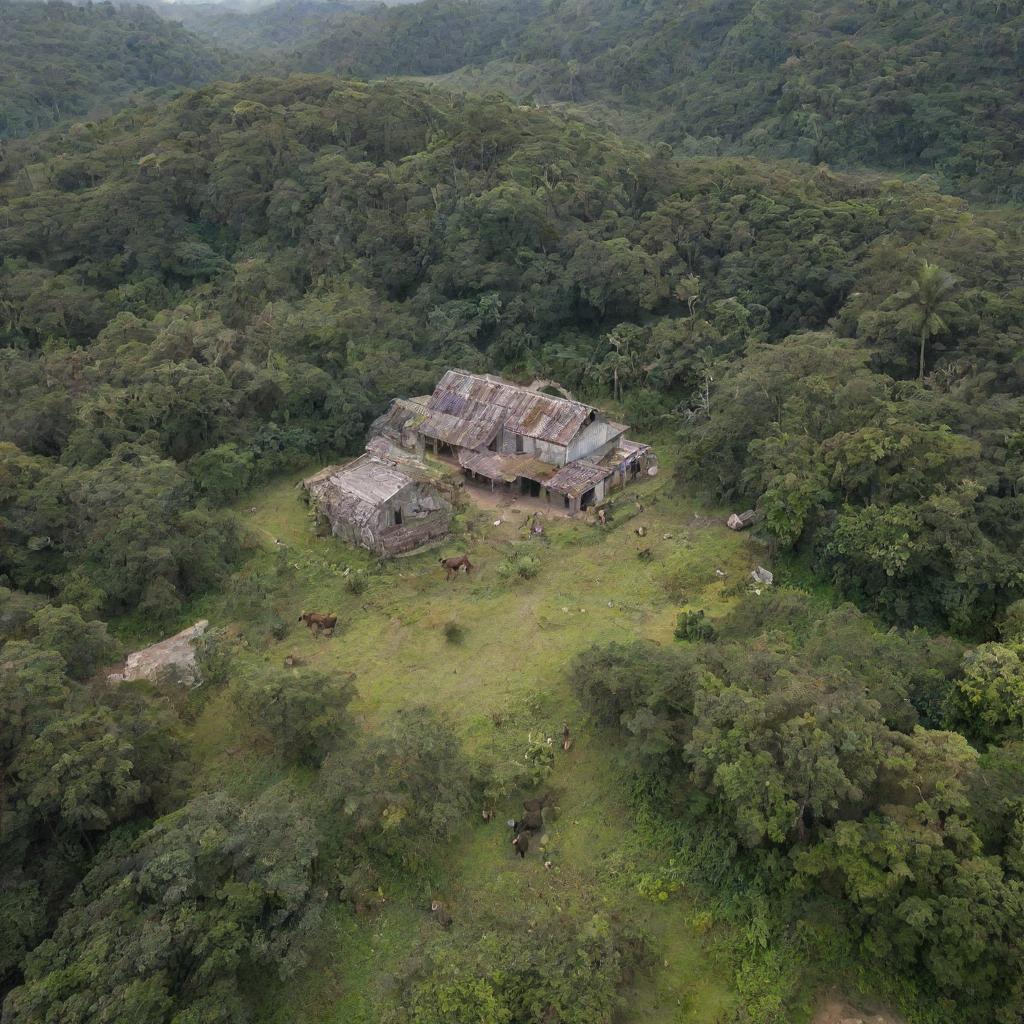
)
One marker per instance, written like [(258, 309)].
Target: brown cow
[(440, 912), (317, 622), (453, 565)]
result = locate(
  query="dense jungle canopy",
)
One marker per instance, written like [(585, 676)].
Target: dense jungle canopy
[(62, 62)]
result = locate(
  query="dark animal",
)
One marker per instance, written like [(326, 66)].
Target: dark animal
[(441, 915), (521, 843), (536, 804), (453, 565), (317, 621), (531, 821), (566, 738)]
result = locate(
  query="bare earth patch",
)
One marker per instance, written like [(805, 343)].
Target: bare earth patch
[(841, 1011)]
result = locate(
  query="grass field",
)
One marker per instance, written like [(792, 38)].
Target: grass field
[(507, 678)]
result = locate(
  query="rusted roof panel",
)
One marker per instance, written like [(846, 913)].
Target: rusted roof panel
[(506, 467), (401, 413), (474, 431), (469, 396), (628, 447), (577, 477)]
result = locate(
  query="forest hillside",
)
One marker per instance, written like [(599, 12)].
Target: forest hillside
[(909, 87), (266, 28), (63, 61)]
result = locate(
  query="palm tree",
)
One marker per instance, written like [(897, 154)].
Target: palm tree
[(929, 303), (623, 363)]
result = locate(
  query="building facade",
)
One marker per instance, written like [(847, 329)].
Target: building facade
[(533, 443), (378, 504)]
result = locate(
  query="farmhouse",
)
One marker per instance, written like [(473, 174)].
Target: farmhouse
[(508, 435), (374, 501)]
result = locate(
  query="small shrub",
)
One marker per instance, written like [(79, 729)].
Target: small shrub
[(454, 633), (520, 565), (213, 657), (355, 583), (694, 627), (539, 757)]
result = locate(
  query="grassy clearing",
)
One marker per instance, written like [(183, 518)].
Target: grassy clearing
[(505, 678)]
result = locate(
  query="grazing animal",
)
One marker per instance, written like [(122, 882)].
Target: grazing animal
[(566, 738), (317, 621), (441, 915), (641, 531), (521, 843), (602, 517), (531, 821), (537, 803), (452, 566)]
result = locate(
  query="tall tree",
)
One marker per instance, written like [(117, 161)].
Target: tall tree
[(929, 305)]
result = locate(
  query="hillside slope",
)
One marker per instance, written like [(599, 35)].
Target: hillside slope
[(848, 82), (64, 61), (262, 28)]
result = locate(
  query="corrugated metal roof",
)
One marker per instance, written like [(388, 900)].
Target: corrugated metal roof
[(628, 447), (475, 430), (577, 477), (401, 413), (473, 397), (506, 467)]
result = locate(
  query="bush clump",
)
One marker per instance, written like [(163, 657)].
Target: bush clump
[(454, 633), (520, 565), (573, 965), (693, 626)]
